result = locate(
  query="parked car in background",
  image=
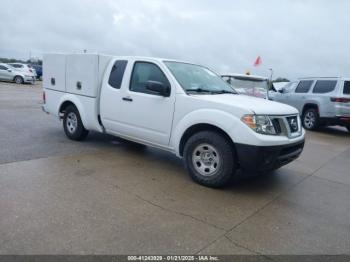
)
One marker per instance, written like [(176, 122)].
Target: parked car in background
[(11, 74), (250, 85), (24, 68), (321, 101), (38, 70)]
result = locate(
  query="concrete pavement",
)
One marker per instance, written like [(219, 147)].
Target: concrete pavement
[(106, 196)]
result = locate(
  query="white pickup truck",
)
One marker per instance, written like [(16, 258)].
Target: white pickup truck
[(180, 107)]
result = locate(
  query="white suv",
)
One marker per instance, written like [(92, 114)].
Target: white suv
[(321, 101)]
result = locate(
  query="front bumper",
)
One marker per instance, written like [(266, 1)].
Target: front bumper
[(265, 158)]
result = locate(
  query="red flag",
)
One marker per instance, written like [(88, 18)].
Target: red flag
[(258, 61)]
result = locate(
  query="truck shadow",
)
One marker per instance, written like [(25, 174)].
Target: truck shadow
[(245, 183)]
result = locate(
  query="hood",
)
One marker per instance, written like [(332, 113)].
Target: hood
[(254, 104)]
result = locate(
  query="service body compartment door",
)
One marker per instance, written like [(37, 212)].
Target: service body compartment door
[(54, 72), (82, 74)]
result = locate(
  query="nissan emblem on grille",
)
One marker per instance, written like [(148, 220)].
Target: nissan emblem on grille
[(293, 123)]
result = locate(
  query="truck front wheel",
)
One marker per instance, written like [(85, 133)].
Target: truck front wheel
[(72, 124), (209, 159)]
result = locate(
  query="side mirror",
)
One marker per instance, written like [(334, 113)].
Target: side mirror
[(282, 90), (9, 70), (158, 88)]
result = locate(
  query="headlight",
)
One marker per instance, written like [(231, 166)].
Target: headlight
[(261, 124)]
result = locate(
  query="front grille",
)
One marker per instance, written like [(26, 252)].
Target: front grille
[(288, 125), (276, 125)]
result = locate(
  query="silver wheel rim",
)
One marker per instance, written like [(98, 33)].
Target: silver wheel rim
[(206, 160), (309, 120), (72, 122), (18, 80)]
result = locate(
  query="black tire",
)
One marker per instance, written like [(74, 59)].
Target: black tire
[(310, 119), (225, 167), (18, 80), (72, 124), (348, 128)]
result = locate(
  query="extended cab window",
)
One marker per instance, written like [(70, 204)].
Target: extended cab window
[(143, 72), (346, 90), (2, 67), (324, 86), (117, 72), (304, 86)]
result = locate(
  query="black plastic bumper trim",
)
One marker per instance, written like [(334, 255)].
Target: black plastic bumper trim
[(265, 158)]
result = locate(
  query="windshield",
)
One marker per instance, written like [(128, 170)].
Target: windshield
[(195, 78)]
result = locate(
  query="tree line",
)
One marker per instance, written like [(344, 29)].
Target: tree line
[(13, 60)]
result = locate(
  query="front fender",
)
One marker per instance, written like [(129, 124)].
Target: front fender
[(223, 120)]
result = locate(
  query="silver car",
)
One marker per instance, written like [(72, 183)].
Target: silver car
[(11, 74), (321, 101), (28, 69)]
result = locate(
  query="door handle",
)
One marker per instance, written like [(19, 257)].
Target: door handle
[(129, 99)]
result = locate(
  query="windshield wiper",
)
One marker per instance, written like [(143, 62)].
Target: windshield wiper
[(199, 90), (215, 92), (224, 92)]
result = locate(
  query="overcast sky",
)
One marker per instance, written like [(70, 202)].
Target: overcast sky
[(294, 37)]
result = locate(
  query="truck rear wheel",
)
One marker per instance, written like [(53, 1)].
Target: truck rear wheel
[(209, 159), (310, 119), (72, 124)]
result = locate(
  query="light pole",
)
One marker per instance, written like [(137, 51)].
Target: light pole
[(270, 83)]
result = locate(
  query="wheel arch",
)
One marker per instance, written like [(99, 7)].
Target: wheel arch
[(18, 76), (310, 105), (223, 122), (71, 100), (202, 127), (64, 105)]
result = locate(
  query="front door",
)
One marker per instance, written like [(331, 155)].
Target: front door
[(137, 112)]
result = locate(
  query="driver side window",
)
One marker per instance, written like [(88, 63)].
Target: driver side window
[(144, 72)]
